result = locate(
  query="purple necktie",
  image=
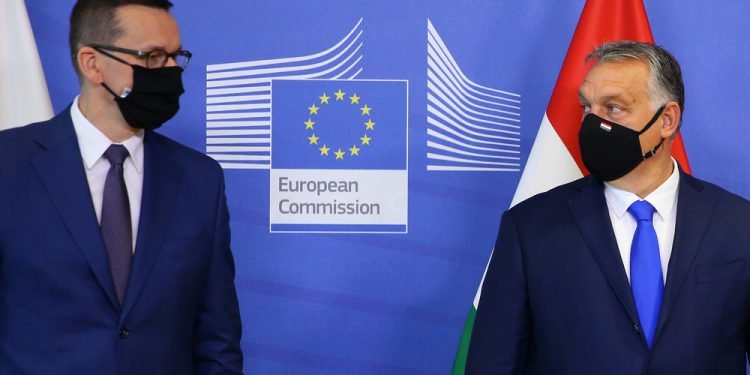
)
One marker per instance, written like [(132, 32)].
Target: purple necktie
[(115, 223)]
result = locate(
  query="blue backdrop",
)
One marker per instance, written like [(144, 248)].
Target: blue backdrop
[(396, 302)]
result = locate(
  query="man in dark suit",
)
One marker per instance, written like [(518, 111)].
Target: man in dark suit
[(114, 240), (638, 268)]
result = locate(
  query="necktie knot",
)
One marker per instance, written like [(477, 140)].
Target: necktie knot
[(116, 154), (641, 210)]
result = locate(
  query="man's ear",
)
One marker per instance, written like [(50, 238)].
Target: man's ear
[(89, 65), (672, 116)]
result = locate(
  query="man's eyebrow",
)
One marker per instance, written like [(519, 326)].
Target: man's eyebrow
[(152, 47), (581, 98), (604, 98)]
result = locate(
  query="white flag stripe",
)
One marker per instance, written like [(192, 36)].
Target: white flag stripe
[(237, 141), (431, 155), (434, 39), (235, 124), (439, 146), (239, 98), (214, 149), (436, 134), (549, 165), (238, 132), (248, 64), (479, 290), (452, 168), (23, 91), (230, 157)]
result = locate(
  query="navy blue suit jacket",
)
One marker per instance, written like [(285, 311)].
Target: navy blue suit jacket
[(556, 299), (59, 313)]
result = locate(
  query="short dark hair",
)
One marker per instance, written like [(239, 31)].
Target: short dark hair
[(665, 82), (95, 21)]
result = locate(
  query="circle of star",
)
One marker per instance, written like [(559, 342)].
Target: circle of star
[(339, 153)]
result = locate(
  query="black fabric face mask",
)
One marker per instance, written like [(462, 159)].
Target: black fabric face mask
[(154, 97), (610, 150)]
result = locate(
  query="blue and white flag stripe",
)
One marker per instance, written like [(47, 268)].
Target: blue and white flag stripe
[(238, 98), (470, 127)]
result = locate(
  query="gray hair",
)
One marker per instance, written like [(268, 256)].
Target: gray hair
[(665, 81)]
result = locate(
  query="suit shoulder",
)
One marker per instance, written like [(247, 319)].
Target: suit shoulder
[(188, 157), (554, 197), (723, 196), (23, 133), (20, 142)]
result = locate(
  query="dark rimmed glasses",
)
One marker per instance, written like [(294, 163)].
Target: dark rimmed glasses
[(154, 59)]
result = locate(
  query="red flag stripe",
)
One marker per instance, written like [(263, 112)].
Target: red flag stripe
[(601, 21)]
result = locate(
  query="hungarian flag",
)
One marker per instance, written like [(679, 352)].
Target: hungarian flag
[(555, 157), (23, 90)]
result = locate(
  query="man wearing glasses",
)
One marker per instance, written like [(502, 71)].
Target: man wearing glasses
[(114, 240)]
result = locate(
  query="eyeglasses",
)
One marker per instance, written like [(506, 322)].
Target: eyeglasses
[(154, 59)]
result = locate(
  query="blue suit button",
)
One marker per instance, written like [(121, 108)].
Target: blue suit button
[(123, 332)]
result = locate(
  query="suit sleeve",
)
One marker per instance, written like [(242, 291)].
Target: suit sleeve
[(502, 329), (218, 329)]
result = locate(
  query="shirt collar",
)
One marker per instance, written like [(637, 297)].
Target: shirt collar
[(664, 198), (93, 143)]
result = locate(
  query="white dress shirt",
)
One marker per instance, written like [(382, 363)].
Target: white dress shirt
[(664, 200), (93, 143)]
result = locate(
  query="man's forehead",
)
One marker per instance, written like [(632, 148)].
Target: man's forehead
[(148, 27), (619, 71), (613, 78)]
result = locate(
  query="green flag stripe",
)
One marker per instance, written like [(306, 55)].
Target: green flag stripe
[(459, 364)]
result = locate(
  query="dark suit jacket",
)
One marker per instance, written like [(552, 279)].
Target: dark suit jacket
[(59, 313), (556, 299)]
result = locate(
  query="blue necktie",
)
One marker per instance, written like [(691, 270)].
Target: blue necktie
[(645, 269), (115, 223)]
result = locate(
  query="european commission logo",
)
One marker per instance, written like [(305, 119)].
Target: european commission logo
[(336, 146), (339, 156)]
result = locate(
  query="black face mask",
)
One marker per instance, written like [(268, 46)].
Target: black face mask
[(154, 97), (610, 150)]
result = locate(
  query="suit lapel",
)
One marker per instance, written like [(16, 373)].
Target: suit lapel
[(62, 173), (694, 212), (161, 180), (591, 214)]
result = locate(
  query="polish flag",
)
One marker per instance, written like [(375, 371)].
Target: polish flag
[(23, 91)]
